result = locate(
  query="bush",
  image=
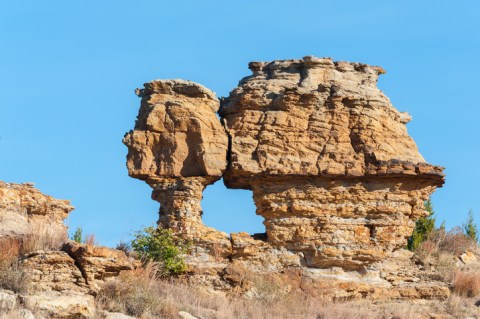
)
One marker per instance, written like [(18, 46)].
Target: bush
[(159, 245)]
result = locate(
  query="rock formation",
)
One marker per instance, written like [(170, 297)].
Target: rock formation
[(25, 211), (332, 168), (60, 278), (179, 147)]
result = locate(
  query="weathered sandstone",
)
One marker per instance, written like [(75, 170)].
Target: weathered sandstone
[(179, 147), (96, 263), (60, 277), (333, 171), (25, 211)]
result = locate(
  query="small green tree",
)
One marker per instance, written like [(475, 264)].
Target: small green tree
[(471, 229), (423, 227), (77, 235), (155, 244)]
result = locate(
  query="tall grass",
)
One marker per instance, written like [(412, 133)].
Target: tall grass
[(466, 283), (144, 294)]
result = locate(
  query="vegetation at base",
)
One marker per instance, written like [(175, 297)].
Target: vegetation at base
[(423, 227), (471, 229), (159, 245)]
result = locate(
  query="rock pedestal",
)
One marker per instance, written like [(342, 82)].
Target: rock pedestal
[(179, 147)]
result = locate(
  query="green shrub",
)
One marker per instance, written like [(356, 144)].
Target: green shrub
[(423, 227), (77, 235), (159, 245)]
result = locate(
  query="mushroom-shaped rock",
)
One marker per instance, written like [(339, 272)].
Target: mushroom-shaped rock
[(331, 165), (178, 147)]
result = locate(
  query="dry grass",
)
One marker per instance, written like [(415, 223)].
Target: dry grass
[(142, 294), (441, 250), (43, 237), (90, 241), (12, 276), (466, 283)]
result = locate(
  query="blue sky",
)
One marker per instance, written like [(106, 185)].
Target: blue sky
[(68, 70)]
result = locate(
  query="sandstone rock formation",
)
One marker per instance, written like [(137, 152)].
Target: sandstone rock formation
[(25, 211), (179, 147), (59, 278), (97, 264), (332, 168), (333, 171)]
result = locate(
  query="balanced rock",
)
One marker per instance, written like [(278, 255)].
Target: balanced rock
[(179, 147)]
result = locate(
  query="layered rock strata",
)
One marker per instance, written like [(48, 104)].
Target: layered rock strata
[(179, 147), (333, 171), (55, 277), (25, 211), (332, 168)]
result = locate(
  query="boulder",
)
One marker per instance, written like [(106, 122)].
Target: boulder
[(97, 264)]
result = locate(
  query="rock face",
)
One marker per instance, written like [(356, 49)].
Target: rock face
[(179, 147), (60, 278), (97, 264), (333, 171), (24, 211)]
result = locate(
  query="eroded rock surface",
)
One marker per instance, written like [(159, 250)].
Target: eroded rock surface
[(24, 211), (96, 263), (316, 117), (179, 147), (53, 277), (331, 165), (332, 168)]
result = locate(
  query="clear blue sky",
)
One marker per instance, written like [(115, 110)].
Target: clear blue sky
[(68, 70)]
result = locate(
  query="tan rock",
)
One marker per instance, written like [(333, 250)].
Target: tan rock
[(333, 171), (179, 147), (468, 257), (316, 117), (53, 271), (98, 264), (8, 300), (25, 211), (177, 133), (332, 168), (61, 305), (114, 315)]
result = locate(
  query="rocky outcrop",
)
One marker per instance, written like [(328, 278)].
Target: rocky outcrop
[(96, 263), (333, 171), (25, 211), (56, 278)]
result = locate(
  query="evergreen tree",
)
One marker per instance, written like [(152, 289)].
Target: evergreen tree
[(423, 227), (77, 235), (471, 229)]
